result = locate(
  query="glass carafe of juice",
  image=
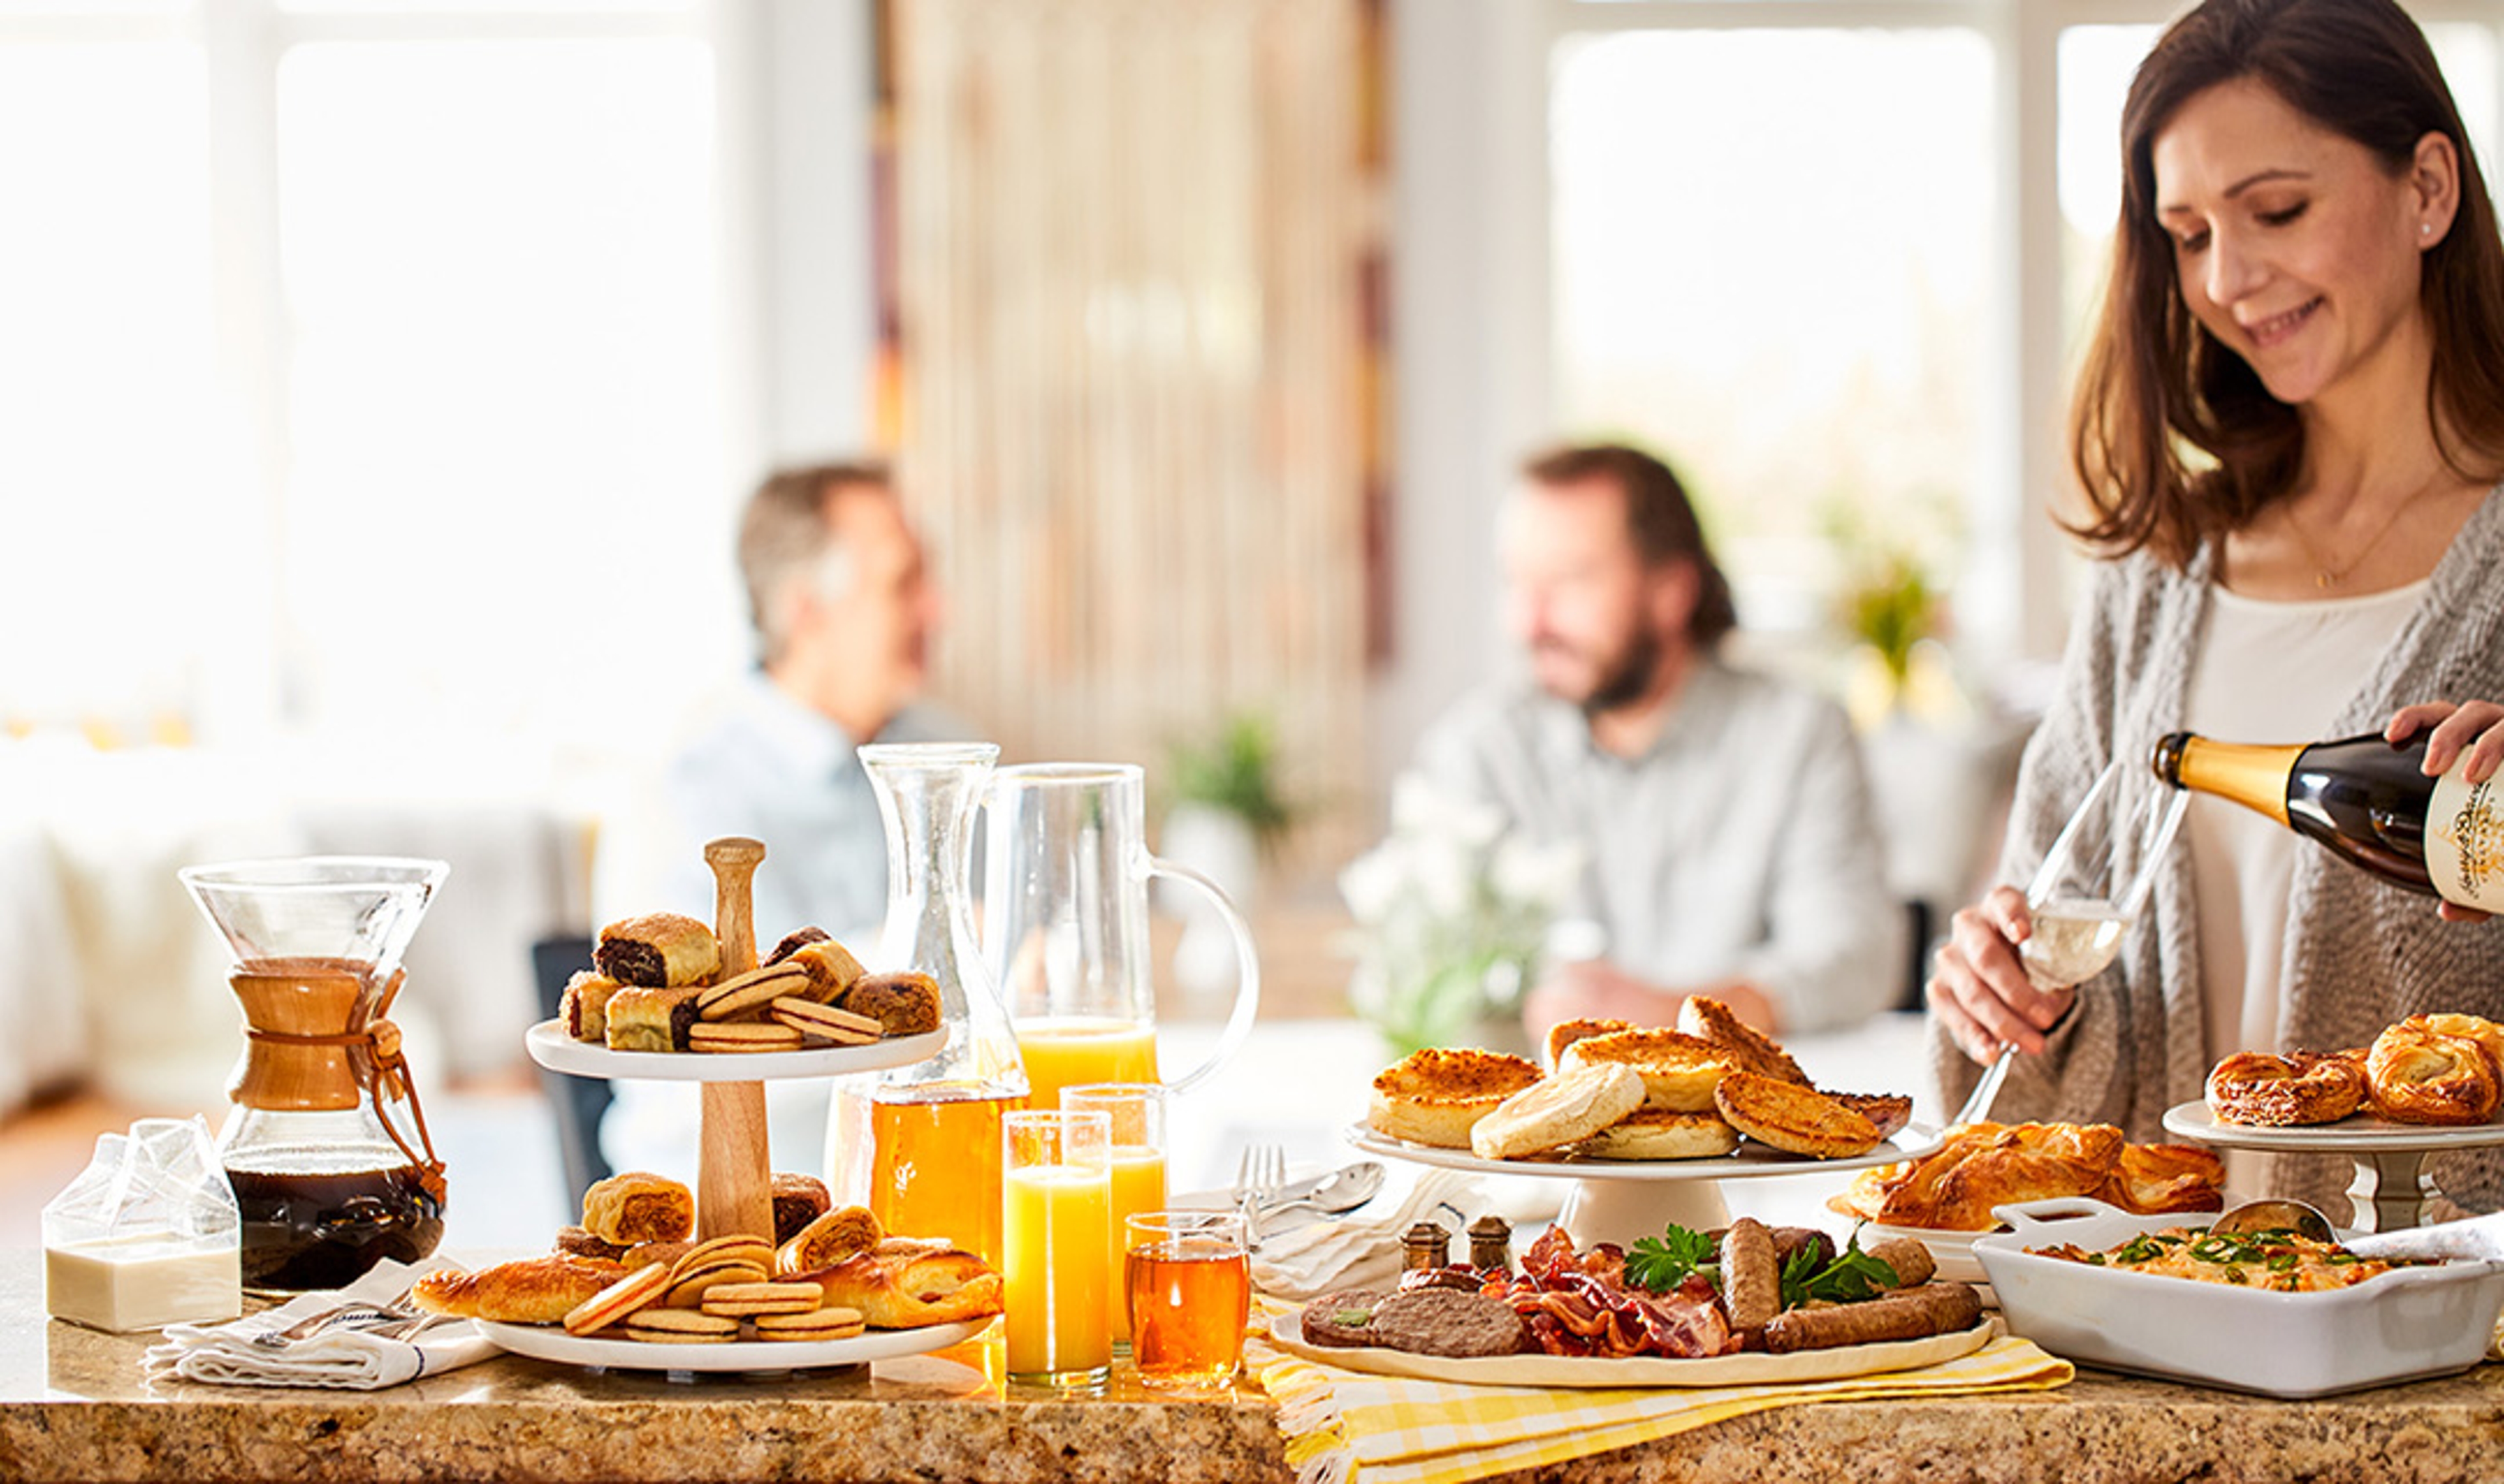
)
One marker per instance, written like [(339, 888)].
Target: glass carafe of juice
[(920, 1145), (326, 1148), (1065, 927)]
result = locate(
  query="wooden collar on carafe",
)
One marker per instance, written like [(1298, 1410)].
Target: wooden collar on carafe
[(383, 1072)]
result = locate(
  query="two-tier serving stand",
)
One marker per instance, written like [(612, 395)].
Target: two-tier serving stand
[(734, 1167), (1621, 1200), (2391, 1189)]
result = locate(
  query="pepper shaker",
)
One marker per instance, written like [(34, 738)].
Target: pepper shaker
[(1425, 1247), (1491, 1244)]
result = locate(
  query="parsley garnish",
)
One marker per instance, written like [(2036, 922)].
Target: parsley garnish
[(1850, 1278), (1663, 1262)]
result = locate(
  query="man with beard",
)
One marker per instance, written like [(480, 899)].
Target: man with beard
[(1727, 827)]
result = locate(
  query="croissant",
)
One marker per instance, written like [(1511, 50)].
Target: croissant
[(536, 1291), (905, 1282)]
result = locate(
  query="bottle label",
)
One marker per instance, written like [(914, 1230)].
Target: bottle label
[(2464, 841)]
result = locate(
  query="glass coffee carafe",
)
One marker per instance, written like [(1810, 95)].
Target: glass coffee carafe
[(327, 1148), (1065, 927), (920, 1145)]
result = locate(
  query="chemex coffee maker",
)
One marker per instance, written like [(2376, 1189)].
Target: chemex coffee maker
[(327, 1148)]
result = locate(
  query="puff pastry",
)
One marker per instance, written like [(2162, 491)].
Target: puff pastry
[(657, 951), (586, 1006), (536, 1291), (636, 1207), (905, 1282)]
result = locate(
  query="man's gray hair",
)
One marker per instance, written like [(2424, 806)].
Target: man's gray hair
[(784, 535)]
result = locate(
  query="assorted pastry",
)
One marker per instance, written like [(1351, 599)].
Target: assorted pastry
[(631, 1270), (656, 985), (2432, 1069), (1682, 1295), (1982, 1166), (1621, 1092)]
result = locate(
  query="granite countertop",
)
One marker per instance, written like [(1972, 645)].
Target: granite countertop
[(73, 1405)]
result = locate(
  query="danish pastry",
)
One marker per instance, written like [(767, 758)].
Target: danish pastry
[(536, 1291), (2414, 1075), (904, 1283), (636, 1207), (1983, 1166), (2257, 1089)]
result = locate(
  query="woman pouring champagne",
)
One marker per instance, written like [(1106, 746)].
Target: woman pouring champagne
[(2289, 427)]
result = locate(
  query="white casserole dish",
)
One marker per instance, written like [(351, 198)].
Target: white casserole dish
[(2403, 1325)]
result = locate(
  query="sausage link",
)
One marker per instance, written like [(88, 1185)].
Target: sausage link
[(1910, 1261), (1751, 1279), (1935, 1309)]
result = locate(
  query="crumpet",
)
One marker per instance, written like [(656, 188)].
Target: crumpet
[(1679, 1070), (1566, 1107), (1437, 1096), (1565, 1033)]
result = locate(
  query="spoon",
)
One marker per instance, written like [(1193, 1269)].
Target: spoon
[(2302, 1219), (1341, 1190)]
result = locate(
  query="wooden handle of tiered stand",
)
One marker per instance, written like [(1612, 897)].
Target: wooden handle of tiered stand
[(734, 1167)]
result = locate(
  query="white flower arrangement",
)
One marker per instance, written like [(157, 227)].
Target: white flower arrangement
[(1452, 909)]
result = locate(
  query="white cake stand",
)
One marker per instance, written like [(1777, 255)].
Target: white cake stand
[(2391, 1189), (1619, 1200)]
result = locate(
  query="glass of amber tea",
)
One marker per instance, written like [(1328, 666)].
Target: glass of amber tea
[(1188, 1276)]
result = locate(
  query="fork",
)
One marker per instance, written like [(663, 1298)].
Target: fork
[(1259, 1175)]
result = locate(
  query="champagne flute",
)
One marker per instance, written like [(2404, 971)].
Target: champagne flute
[(2090, 889)]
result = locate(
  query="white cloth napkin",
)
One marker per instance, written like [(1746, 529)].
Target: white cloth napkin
[(1363, 1251), (338, 1354)]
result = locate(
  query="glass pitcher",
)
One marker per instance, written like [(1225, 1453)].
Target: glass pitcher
[(920, 1145), (1066, 926), (327, 1148)]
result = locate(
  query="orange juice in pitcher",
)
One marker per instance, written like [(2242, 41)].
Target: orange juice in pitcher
[(1072, 1050)]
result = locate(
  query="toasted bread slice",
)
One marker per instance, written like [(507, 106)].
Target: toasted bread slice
[(1750, 1048), (1437, 1096), (1566, 1107), (1679, 1070), (1793, 1119), (1657, 1133), (1565, 1033)]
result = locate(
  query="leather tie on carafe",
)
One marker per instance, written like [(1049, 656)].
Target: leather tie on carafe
[(382, 1072)]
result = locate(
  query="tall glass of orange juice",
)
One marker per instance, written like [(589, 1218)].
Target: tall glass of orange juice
[(1056, 1234), (1137, 1111), (1063, 1052)]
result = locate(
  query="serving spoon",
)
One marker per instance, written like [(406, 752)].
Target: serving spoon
[(2479, 1236)]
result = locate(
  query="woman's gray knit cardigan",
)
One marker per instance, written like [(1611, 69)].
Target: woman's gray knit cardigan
[(2359, 952)]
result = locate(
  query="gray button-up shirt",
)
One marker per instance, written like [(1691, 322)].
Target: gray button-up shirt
[(1741, 845)]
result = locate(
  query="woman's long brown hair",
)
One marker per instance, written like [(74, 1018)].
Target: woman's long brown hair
[(2172, 435)]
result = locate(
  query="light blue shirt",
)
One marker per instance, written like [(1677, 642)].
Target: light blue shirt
[(1741, 844)]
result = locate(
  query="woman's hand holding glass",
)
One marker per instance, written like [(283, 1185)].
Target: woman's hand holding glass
[(2010, 967)]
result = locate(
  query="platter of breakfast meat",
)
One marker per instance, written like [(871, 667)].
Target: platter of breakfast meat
[(629, 1289), (657, 1004), (1748, 1305), (2430, 1082), (1712, 1098), (1944, 1200)]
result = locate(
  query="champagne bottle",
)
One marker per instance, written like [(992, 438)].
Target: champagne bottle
[(2368, 800)]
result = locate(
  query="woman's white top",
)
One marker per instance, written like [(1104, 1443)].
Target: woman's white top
[(2266, 672)]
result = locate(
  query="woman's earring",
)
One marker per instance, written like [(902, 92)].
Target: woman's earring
[(2425, 228)]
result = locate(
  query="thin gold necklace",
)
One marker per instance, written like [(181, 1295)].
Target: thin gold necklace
[(2326, 577)]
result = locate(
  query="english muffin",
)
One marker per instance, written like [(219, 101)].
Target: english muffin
[(1437, 1096)]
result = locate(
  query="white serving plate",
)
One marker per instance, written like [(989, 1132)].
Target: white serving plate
[(551, 1342), (2358, 1135), (2403, 1325), (1910, 1142), (1752, 1369), (551, 1048)]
